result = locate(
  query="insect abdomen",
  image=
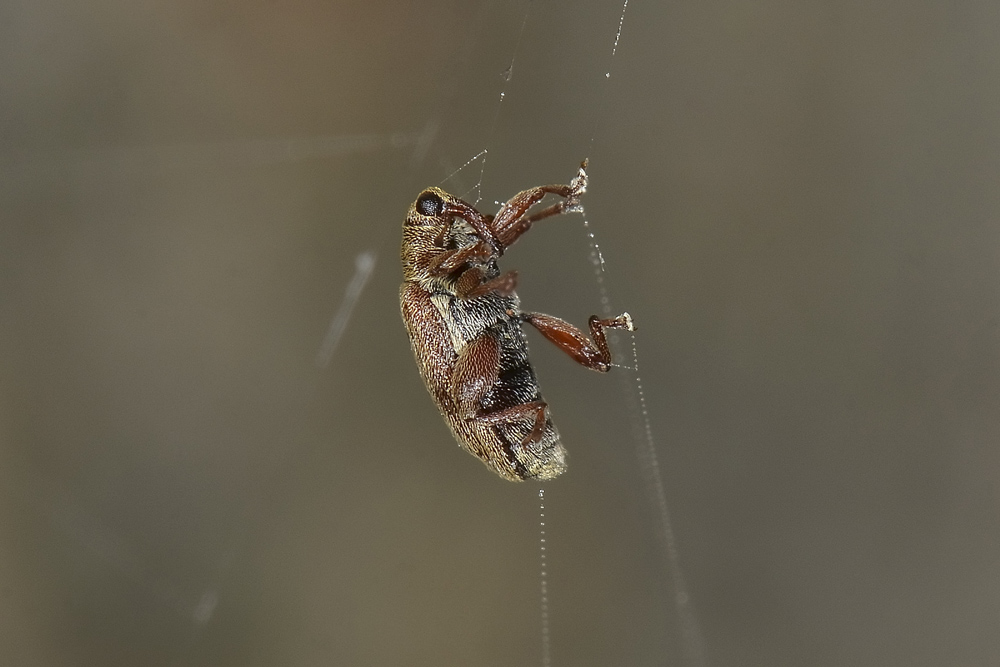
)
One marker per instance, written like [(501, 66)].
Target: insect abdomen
[(516, 385)]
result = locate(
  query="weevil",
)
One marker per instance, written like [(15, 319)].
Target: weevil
[(464, 318)]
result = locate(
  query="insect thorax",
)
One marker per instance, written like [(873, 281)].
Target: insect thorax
[(467, 319)]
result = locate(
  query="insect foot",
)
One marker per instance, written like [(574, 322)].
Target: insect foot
[(578, 186), (463, 317)]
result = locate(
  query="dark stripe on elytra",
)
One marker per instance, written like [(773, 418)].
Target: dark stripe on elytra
[(507, 447)]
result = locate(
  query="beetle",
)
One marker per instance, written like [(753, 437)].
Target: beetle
[(464, 318)]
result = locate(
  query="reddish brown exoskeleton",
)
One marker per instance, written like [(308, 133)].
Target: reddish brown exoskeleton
[(464, 321)]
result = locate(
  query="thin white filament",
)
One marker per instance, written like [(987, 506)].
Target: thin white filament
[(364, 264)]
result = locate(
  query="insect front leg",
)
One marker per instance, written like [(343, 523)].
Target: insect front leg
[(594, 355), (512, 220), (483, 224)]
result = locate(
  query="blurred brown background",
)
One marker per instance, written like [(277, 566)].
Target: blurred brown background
[(797, 201)]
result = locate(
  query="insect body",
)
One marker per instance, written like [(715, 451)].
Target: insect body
[(464, 322)]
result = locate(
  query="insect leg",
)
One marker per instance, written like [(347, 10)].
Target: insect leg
[(450, 261), (594, 355), (476, 371), (512, 220), (483, 224), (471, 284), (534, 409)]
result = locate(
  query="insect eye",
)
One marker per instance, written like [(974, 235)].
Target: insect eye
[(429, 204)]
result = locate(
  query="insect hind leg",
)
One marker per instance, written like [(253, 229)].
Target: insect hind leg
[(536, 410)]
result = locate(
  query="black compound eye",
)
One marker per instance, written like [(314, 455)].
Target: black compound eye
[(429, 204)]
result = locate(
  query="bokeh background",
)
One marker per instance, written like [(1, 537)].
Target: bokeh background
[(797, 201)]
